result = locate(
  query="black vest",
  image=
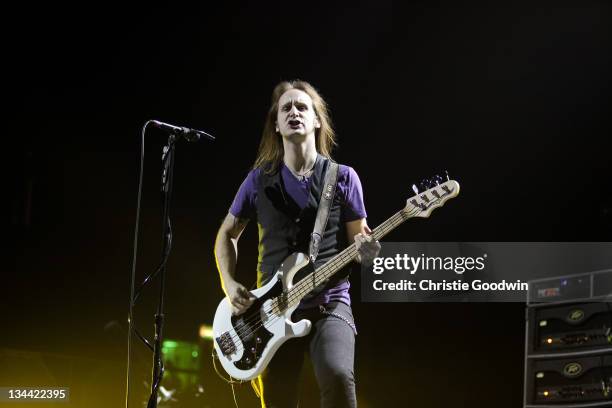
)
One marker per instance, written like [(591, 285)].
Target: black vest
[(284, 228)]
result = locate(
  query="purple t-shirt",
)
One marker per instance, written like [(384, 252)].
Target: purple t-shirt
[(348, 190)]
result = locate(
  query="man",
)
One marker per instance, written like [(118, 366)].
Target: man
[(282, 193)]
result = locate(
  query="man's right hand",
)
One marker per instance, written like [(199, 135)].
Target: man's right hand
[(239, 297)]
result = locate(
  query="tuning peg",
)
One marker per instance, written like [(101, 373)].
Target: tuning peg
[(447, 177), (415, 189), (423, 184)]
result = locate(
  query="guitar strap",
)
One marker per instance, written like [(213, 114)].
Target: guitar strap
[(327, 198)]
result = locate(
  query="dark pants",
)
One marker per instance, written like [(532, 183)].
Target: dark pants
[(331, 345)]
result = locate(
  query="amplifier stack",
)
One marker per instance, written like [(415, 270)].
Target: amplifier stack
[(568, 351)]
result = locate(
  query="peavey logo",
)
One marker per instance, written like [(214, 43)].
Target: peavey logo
[(572, 369), (575, 316)]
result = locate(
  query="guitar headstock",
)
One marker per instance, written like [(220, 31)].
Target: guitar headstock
[(437, 192)]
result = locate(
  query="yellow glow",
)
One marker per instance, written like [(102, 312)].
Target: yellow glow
[(546, 393), (206, 332), (549, 341)]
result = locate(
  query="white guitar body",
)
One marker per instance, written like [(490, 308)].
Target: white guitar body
[(250, 354)]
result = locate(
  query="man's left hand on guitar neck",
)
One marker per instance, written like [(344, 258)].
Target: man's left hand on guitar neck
[(367, 247)]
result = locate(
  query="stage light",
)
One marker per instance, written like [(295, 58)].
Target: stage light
[(206, 332)]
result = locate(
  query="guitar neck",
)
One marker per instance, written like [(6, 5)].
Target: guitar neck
[(324, 272)]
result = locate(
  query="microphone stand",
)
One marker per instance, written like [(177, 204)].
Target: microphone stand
[(166, 189), (175, 133)]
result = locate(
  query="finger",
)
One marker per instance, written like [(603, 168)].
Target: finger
[(241, 298), (237, 310), (246, 300), (246, 294), (369, 254), (239, 302), (372, 247), (237, 306)]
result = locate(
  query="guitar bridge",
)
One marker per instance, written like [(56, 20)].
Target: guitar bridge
[(226, 344)]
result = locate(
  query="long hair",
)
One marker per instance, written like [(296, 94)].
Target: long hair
[(271, 149)]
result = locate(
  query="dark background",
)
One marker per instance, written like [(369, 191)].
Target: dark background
[(513, 100)]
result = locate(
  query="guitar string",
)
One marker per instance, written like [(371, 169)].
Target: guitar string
[(250, 329), (247, 329), (341, 258), (303, 289), (384, 228), (304, 286)]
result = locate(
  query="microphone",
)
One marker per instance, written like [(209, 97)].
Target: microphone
[(191, 135)]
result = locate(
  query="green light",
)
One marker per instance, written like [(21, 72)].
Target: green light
[(194, 354), (170, 343)]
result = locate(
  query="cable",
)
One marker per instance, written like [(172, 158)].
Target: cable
[(161, 265), (257, 386), (234, 395), (134, 294), (231, 381), (157, 381), (133, 276)]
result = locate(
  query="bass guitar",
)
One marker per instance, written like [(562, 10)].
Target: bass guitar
[(246, 343)]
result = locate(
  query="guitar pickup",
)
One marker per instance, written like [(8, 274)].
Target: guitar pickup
[(226, 344)]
